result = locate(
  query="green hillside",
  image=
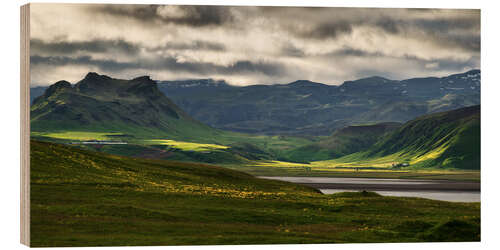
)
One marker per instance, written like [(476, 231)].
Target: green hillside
[(99, 103), (84, 198), (344, 141), (442, 140)]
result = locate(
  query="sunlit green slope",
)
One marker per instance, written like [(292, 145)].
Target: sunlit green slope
[(443, 140)]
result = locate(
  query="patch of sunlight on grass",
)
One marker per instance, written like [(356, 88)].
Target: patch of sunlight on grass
[(77, 135), (356, 161), (279, 164), (429, 156), (188, 146), (353, 170)]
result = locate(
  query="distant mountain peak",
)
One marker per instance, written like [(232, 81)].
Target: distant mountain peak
[(57, 86), (190, 83), (95, 76), (473, 71), (102, 101), (375, 79), (61, 84), (96, 84), (304, 83), (143, 78)]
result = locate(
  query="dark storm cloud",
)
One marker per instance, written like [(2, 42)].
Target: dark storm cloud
[(438, 30), (140, 12), (447, 24), (195, 45), (326, 30), (466, 42), (164, 63), (442, 31), (388, 25), (57, 61), (99, 46), (290, 50), (352, 52), (444, 64), (191, 15), (443, 25), (457, 28), (102, 46), (369, 69)]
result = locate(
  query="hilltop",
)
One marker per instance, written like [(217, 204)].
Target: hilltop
[(101, 103)]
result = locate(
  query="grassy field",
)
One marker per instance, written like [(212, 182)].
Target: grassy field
[(85, 198), (379, 168), (188, 146), (275, 144), (353, 165), (78, 135)]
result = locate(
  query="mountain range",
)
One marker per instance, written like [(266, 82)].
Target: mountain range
[(309, 108), (305, 107)]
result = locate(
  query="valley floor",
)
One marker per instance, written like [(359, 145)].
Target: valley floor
[(312, 170)]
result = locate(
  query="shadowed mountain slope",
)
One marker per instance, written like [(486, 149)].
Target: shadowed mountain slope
[(305, 107), (344, 141), (101, 103)]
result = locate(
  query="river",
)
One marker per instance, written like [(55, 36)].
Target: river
[(454, 191)]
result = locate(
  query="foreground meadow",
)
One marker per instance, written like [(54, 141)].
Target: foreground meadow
[(84, 198)]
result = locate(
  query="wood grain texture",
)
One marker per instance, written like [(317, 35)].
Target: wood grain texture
[(25, 124)]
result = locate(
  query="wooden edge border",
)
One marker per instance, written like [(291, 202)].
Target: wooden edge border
[(25, 124)]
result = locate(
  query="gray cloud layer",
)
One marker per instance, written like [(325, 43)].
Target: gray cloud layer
[(109, 65), (248, 45), (188, 15)]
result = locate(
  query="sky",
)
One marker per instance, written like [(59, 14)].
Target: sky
[(249, 45)]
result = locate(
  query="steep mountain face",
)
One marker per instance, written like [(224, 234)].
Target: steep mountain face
[(305, 107), (448, 140), (343, 141), (101, 103)]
